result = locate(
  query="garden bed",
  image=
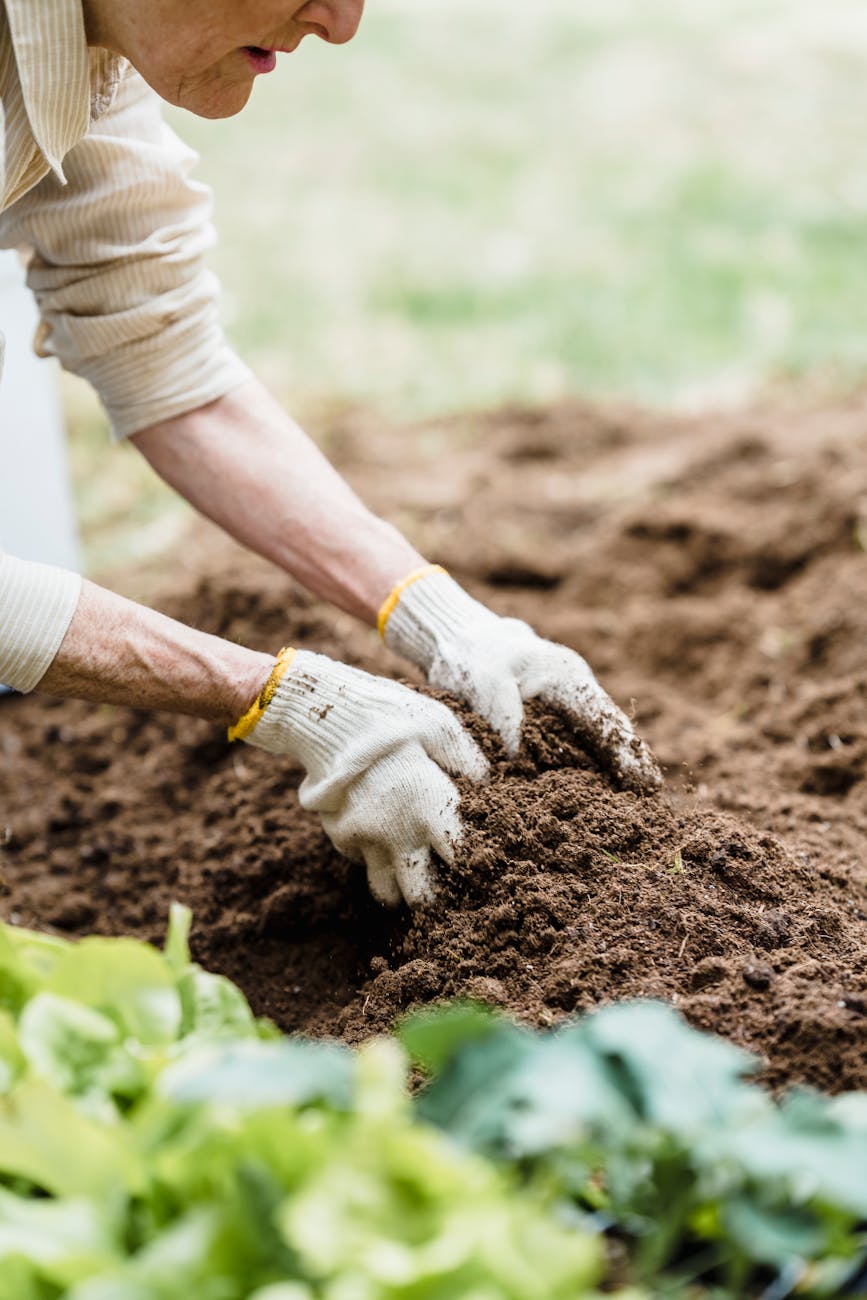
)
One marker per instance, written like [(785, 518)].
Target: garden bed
[(712, 570)]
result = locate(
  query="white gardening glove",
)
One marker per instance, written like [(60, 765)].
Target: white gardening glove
[(494, 664), (376, 756)]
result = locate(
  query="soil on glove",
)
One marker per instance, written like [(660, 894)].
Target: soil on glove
[(713, 571)]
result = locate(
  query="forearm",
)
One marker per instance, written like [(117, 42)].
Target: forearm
[(245, 464), (117, 652)]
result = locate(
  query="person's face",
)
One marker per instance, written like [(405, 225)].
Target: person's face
[(204, 55)]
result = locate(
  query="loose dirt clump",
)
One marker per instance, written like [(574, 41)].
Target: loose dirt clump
[(713, 571), (569, 893)]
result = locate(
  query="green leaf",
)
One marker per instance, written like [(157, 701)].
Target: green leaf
[(128, 981), (433, 1037), (256, 1074), (26, 962), (180, 1255), (121, 1287), (380, 1083), (47, 1140), (283, 1291), (12, 1061), (804, 1147), (850, 1109), (776, 1237), (213, 1007), (515, 1094), (841, 1275), (64, 1241), (675, 1077), (76, 1049), (19, 1281), (177, 945), (407, 1215)]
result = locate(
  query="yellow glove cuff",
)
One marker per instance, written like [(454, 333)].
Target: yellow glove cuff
[(390, 603), (244, 725)]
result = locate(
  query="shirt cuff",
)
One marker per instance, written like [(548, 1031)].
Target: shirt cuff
[(37, 603)]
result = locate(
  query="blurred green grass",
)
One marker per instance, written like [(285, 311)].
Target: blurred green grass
[(477, 202)]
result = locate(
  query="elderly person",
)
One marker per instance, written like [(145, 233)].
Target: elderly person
[(97, 188)]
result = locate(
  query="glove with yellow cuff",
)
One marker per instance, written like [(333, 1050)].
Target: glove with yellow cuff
[(494, 664), (376, 756)]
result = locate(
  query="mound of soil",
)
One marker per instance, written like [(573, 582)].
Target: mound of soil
[(713, 571), (569, 893)]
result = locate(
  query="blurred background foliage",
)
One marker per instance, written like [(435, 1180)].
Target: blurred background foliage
[(479, 201)]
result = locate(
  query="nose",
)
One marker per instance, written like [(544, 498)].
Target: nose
[(336, 21)]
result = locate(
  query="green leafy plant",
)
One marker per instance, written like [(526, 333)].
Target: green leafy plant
[(156, 1141), (652, 1126)]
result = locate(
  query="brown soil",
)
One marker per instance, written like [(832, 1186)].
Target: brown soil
[(714, 573)]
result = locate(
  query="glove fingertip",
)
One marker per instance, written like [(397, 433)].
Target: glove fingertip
[(381, 878), (609, 732), (415, 876), (506, 718), (509, 729), (456, 752), (476, 766), (652, 778), (446, 839), (637, 766), (511, 739)]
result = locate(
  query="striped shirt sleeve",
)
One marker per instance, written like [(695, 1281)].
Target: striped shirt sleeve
[(118, 268), (37, 604)]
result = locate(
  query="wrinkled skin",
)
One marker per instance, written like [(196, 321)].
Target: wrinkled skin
[(192, 52)]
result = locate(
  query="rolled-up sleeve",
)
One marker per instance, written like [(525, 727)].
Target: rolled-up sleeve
[(37, 605), (118, 269)]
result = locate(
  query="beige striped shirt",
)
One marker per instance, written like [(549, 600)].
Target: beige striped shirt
[(97, 189)]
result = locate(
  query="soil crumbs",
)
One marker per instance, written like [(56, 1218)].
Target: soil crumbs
[(713, 571)]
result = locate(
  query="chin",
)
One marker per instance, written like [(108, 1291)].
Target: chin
[(216, 101)]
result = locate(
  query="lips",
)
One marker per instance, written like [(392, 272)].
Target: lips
[(260, 60)]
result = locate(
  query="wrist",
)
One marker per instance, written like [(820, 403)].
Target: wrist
[(305, 708), (265, 689), (373, 559), (117, 652), (424, 610)]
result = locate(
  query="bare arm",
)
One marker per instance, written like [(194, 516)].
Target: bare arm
[(245, 464), (117, 652)]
